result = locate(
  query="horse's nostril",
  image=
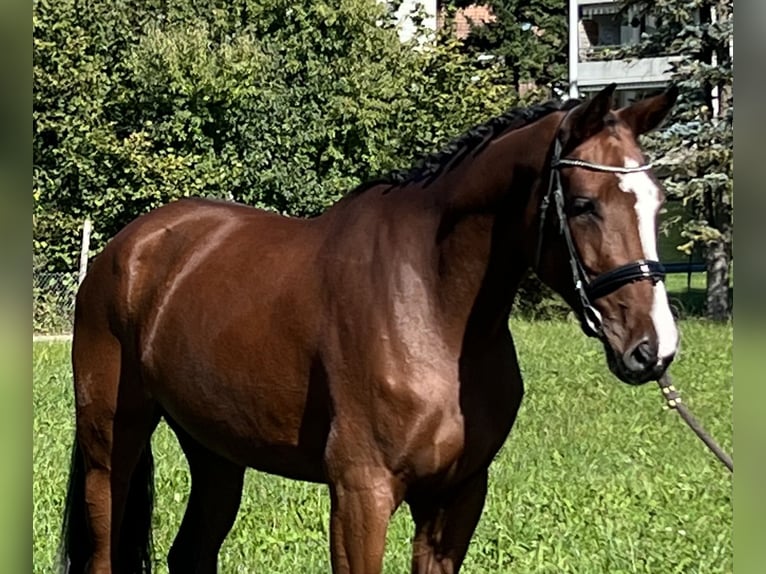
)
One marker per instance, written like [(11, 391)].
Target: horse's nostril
[(641, 357), (643, 354)]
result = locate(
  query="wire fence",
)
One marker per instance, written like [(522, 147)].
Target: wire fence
[(53, 297)]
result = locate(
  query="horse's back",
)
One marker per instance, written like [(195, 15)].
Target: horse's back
[(161, 250)]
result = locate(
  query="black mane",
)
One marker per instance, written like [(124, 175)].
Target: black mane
[(474, 140)]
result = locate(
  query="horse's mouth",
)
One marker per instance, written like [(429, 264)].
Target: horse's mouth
[(629, 376)]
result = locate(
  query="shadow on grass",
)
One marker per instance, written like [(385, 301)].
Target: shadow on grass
[(690, 302)]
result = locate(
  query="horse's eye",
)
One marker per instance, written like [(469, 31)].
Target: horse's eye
[(582, 206)]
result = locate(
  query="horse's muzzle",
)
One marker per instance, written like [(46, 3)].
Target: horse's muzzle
[(639, 364)]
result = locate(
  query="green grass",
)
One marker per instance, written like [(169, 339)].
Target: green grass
[(678, 283), (596, 477), (687, 294)]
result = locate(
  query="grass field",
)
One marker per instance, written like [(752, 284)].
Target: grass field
[(595, 478), (687, 294)]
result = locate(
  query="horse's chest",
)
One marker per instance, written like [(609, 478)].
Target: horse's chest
[(456, 435), (434, 443)]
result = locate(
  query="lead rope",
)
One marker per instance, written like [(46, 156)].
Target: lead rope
[(674, 402)]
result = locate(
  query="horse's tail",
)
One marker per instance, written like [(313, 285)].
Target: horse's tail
[(135, 553), (76, 545), (136, 549)]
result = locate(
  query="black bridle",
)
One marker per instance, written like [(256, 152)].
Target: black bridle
[(589, 290)]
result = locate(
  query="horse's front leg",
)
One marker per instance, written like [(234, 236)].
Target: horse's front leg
[(443, 528), (364, 496)]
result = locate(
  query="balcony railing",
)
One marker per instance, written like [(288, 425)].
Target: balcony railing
[(599, 53), (628, 74)]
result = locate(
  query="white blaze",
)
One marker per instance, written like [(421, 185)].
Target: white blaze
[(647, 204)]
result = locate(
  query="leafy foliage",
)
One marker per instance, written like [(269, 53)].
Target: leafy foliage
[(277, 104)]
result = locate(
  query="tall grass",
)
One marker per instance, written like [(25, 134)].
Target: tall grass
[(596, 476)]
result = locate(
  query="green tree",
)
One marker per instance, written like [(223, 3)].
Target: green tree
[(697, 148), (528, 36), (277, 104)]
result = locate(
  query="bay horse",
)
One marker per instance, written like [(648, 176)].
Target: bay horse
[(367, 348)]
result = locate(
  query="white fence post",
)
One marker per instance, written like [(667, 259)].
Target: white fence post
[(84, 249)]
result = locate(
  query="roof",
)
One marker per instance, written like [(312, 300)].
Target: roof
[(464, 17)]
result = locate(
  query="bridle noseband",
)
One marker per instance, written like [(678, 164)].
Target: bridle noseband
[(589, 290)]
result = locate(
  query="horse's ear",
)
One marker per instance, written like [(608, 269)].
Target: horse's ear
[(587, 119), (645, 115)]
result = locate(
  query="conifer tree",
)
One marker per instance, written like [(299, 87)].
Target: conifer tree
[(697, 148)]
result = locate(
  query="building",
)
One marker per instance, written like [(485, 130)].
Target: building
[(411, 10), (598, 27), (431, 11)]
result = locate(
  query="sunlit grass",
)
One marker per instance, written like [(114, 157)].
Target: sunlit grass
[(596, 477)]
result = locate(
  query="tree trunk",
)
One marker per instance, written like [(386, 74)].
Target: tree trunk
[(718, 257)]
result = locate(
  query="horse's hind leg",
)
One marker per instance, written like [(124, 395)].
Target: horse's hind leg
[(115, 420), (216, 490), (443, 528)]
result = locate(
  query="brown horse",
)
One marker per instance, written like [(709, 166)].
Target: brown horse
[(367, 348)]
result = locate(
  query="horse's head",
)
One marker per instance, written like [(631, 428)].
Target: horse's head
[(603, 260)]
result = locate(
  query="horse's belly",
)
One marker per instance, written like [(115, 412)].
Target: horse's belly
[(271, 416), (231, 426)]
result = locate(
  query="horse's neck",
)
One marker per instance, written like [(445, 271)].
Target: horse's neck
[(483, 239)]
